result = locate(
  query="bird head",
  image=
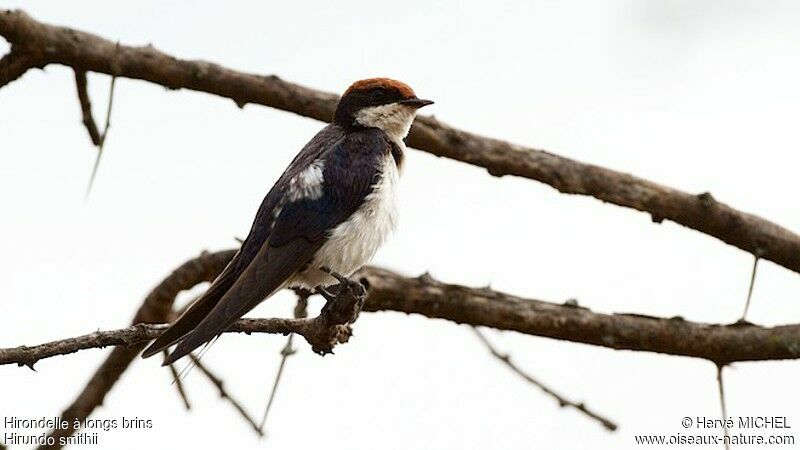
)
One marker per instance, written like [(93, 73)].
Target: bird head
[(383, 103)]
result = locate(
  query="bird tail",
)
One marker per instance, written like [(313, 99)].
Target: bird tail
[(268, 272), (195, 314), (210, 327)]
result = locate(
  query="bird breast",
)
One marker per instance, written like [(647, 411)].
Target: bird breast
[(354, 242)]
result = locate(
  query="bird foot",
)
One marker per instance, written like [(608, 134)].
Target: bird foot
[(347, 297), (355, 287), (325, 293), (334, 324)]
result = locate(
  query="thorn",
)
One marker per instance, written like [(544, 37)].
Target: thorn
[(495, 172), (722, 401), (426, 277), (327, 295), (750, 289), (706, 199)]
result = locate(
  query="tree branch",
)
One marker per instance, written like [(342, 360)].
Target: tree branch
[(223, 393), (387, 291), (87, 52), (155, 309), (81, 84), (178, 382), (484, 307), (300, 312), (314, 330), (14, 64), (563, 402)]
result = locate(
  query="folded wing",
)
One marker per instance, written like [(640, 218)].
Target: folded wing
[(277, 247)]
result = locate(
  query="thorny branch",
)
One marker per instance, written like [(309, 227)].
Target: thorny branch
[(322, 332), (223, 393), (35, 44), (388, 291), (562, 402)]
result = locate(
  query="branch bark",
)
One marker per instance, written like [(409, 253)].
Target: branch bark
[(47, 44), (387, 291), (81, 84), (721, 344), (14, 64)]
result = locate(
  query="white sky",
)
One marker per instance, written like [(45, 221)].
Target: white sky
[(698, 96)]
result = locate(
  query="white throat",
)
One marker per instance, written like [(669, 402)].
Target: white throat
[(394, 119)]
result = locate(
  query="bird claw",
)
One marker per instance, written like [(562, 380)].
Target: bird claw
[(340, 278), (356, 290), (326, 294), (355, 287)]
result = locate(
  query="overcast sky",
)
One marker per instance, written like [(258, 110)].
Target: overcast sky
[(700, 96)]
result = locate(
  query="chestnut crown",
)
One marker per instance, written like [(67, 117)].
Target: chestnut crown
[(374, 92)]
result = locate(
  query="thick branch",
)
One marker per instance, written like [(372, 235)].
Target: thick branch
[(484, 307), (87, 52), (388, 291)]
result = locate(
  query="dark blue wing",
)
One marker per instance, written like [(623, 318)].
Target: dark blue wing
[(351, 168)]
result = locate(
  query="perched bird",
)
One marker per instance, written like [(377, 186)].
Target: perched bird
[(324, 218)]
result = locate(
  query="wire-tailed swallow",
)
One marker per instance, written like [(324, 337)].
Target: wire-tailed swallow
[(332, 208)]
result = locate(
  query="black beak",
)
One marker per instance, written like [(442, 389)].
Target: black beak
[(416, 102)]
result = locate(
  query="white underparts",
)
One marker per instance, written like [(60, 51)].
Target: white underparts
[(353, 243), (394, 119), (308, 183)]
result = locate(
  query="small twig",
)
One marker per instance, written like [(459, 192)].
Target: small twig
[(86, 107), (562, 402), (300, 312), (750, 289), (176, 380), (98, 138), (220, 385), (14, 64), (722, 404), (102, 143)]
